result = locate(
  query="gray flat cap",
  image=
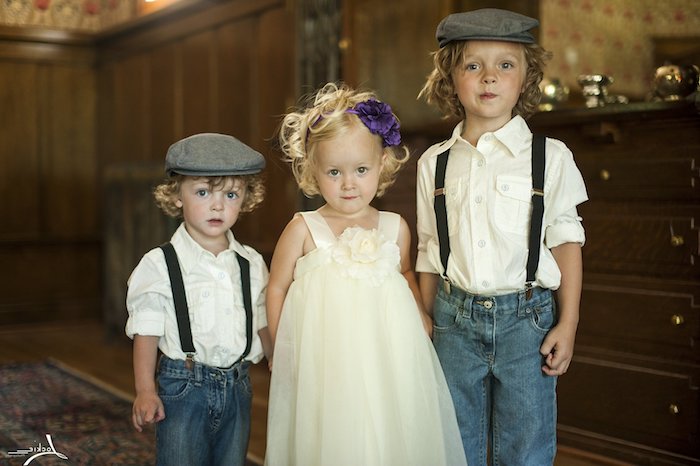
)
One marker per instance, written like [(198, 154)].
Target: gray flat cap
[(486, 24), (212, 154)]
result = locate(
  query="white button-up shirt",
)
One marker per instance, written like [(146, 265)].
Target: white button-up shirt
[(214, 297), (488, 194)]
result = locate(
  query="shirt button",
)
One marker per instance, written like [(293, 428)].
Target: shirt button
[(205, 294), (485, 284), (478, 199), (480, 163), (481, 243), (221, 275), (505, 187)]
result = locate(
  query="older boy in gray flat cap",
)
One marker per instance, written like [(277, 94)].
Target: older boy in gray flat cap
[(200, 300), (495, 243)]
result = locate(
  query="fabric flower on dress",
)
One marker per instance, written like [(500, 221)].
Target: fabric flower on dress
[(366, 254)]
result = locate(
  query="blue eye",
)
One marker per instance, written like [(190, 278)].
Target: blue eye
[(334, 172), (472, 66), (202, 192), (232, 195), (507, 66), (362, 170)]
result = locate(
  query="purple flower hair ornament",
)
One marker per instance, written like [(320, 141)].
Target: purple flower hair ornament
[(379, 119)]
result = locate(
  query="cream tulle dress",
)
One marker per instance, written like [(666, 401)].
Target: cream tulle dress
[(355, 379)]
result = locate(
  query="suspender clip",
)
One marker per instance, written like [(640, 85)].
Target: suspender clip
[(189, 361), (446, 285), (528, 291), (537, 192), (439, 192)]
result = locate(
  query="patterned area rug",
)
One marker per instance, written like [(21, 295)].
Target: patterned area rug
[(52, 415)]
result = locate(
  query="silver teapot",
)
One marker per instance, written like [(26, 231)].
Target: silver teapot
[(674, 82)]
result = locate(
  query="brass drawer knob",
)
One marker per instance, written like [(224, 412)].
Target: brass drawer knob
[(604, 175), (677, 319), (674, 409), (677, 240)]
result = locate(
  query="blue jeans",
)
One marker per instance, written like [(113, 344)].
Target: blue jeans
[(489, 350), (207, 414)]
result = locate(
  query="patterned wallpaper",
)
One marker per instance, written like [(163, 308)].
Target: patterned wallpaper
[(613, 37), (75, 15)]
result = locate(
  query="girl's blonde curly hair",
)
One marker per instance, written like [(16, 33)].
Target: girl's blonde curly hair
[(439, 88), (324, 116), (167, 193)]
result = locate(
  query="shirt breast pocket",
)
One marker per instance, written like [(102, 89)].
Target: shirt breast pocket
[(513, 204), (202, 302)]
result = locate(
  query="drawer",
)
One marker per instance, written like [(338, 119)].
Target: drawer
[(646, 178), (651, 407), (650, 322), (657, 243)]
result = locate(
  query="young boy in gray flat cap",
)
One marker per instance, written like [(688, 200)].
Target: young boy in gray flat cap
[(498, 234), (200, 300)]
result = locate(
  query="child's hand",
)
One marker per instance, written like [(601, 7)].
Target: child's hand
[(148, 409), (558, 349)]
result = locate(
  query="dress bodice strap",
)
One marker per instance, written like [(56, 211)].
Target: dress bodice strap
[(389, 223)]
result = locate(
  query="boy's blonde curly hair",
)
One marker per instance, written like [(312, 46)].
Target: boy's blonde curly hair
[(324, 116), (167, 193), (439, 88)]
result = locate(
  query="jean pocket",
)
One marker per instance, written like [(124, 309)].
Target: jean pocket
[(542, 318), (444, 315), (172, 387)]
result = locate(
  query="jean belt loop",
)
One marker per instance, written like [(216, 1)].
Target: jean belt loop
[(198, 368)]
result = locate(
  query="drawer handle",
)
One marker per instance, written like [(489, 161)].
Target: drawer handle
[(604, 175), (674, 409), (677, 319), (677, 240)]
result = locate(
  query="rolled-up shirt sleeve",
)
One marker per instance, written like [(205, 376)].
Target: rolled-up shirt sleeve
[(564, 190), (566, 228), (147, 299)]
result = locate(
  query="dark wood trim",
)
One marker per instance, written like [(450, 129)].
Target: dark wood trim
[(186, 20)]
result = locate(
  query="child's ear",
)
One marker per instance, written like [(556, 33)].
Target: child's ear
[(178, 203)]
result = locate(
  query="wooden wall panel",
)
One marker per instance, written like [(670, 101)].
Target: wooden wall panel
[(165, 91), (129, 118), (198, 83), (69, 162), (276, 91), (20, 188), (49, 247), (236, 54)]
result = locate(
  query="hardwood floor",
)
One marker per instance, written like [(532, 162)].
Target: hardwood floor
[(85, 347)]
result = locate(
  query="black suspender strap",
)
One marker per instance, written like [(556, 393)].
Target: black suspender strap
[(247, 303), (538, 163), (179, 298), (441, 210), (180, 301)]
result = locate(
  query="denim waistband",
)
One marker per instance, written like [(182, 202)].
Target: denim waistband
[(201, 370), (531, 295)]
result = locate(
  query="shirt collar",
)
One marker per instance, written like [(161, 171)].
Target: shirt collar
[(515, 135), (189, 251)]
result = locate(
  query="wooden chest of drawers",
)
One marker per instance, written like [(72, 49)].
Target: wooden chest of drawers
[(633, 390)]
